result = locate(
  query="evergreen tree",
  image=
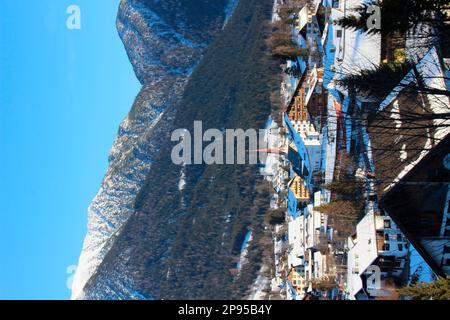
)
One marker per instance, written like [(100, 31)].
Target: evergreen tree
[(436, 290), (377, 82), (398, 16)]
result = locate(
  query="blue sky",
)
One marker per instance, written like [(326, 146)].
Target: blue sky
[(63, 94)]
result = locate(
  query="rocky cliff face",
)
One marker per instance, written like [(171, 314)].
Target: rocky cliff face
[(167, 38), (164, 40)]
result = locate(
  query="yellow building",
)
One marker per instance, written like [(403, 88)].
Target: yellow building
[(297, 281), (298, 189)]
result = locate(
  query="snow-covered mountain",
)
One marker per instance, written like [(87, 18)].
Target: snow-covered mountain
[(161, 231), (164, 42)]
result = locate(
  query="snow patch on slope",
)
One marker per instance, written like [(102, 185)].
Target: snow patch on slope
[(229, 10)]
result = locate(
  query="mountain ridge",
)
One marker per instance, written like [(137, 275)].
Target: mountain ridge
[(150, 42)]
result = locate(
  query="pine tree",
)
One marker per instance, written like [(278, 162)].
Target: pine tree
[(377, 82), (436, 290), (398, 16)]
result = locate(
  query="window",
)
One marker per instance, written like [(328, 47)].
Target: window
[(386, 236), (387, 224), (400, 247), (338, 33), (336, 4), (399, 237), (446, 249), (386, 247)]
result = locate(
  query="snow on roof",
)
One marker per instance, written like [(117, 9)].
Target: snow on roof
[(362, 252), (355, 50), (431, 74), (302, 18), (296, 241)]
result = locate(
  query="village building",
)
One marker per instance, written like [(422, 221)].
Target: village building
[(405, 169), (376, 242), (411, 161)]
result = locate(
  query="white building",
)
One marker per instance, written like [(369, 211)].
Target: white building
[(311, 140), (296, 241), (355, 50), (377, 245)]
